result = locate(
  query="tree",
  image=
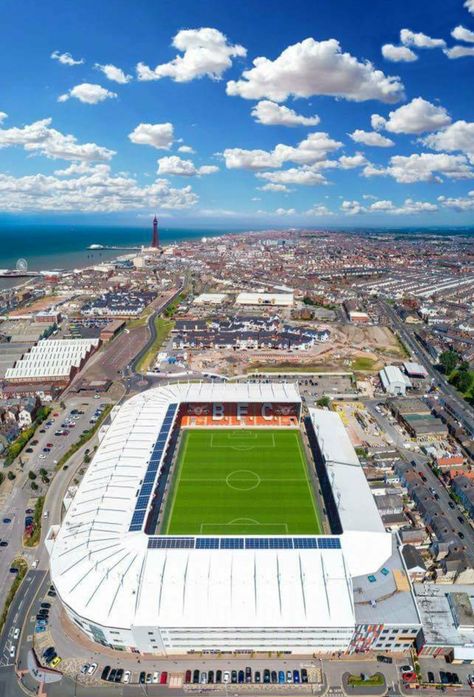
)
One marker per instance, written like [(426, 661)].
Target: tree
[(449, 360), (323, 401), (34, 486), (11, 476), (31, 475), (462, 380)]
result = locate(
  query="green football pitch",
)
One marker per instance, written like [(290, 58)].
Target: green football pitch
[(239, 481)]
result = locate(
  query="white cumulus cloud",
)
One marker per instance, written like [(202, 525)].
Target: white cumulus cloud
[(418, 116), (277, 188), (186, 149), (205, 52), (314, 148), (398, 54), (371, 138), (315, 68), (408, 207), (458, 136), (459, 52), (469, 5), (88, 93), (301, 176), (40, 138), (428, 167), (462, 34), (271, 114), (460, 203), (66, 58), (158, 135), (420, 40), (183, 168), (95, 189), (113, 73)]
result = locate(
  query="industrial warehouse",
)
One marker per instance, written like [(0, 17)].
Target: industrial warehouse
[(152, 558)]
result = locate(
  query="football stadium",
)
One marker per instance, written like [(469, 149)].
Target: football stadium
[(223, 518)]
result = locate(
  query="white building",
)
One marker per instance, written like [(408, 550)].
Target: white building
[(174, 595), (210, 299), (394, 382), (275, 299)]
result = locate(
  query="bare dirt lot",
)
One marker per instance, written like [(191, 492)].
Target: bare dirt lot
[(361, 349)]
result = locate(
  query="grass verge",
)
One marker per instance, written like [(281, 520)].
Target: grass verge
[(376, 680), (163, 328), (85, 436), (22, 567), (35, 537)]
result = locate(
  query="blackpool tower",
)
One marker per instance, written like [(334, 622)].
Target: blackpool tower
[(155, 242)]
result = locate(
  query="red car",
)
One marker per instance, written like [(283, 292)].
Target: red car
[(163, 678), (187, 677), (409, 677), (49, 445)]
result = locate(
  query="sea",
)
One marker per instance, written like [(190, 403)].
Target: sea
[(47, 247), (50, 247)]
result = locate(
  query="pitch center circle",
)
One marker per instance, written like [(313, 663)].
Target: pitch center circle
[(243, 480)]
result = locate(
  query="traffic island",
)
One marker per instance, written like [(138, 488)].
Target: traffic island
[(363, 684)]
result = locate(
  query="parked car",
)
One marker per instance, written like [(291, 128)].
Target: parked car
[(203, 678), (187, 677), (266, 676), (257, 676), (155, 677), (431, 676), (163, 678), (126, 677), (226, 678), (281, 677), (289, 676), (92, 668), (233, 676), (142, 678), (196, 676), (296, 676), (304, 675), (105, 673)]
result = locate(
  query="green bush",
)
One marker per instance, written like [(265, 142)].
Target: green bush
[(22, 567)]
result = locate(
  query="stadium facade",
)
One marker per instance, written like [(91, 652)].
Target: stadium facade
[(131, 589)]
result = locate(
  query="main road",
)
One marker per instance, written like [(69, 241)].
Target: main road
[(465, 411)]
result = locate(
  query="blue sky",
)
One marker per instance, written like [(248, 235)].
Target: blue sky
[(354, 113)]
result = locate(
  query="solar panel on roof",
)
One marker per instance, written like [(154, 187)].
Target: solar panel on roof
[(142, 502), (232, 543), (138, 517), (305, 543), (146, 489), (207, 543), (171, 543), (329, 543)]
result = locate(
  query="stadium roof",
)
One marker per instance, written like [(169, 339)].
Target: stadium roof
[(355, 503)]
